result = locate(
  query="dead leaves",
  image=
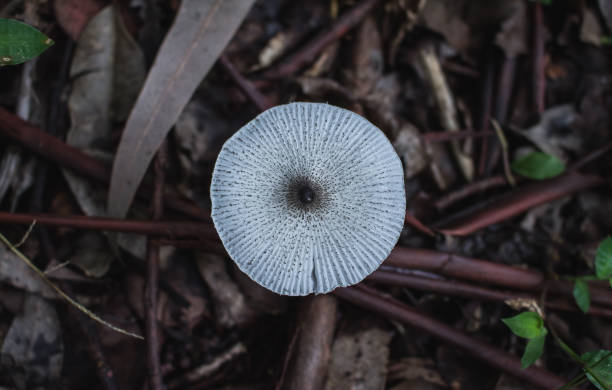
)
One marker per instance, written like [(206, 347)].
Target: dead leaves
[(200, 32)]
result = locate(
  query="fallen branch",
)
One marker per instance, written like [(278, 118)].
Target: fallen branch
[(517, 202), (370, 299)]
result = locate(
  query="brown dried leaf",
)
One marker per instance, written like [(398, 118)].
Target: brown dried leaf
[(231, 307), (363, 356), (73, 15), (200, 32)]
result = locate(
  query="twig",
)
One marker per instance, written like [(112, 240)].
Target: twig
[(53, 149), (517, 202), (61, 293), (470, 189), (486, 104), (590, 157), (504, 93), (538, 71), (26, 235), (460, 289), (486, 272), (414, 222), (370, 299), (466, 268), (156, 228), (259, 100), (105, 372), (432, 70), (307, 54), (504, 147), (150, 296)]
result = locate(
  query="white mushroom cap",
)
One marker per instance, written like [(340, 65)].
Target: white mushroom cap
[(308, 197)]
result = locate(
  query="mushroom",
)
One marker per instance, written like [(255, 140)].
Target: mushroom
[(308, 197)]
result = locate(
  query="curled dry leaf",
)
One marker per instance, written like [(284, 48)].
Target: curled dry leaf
[(200, 32)]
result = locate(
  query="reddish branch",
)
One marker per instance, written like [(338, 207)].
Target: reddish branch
[(150, 296), (370, 299), (486, 272), (460, 289), (460, 267), (156, 228), (414, 222), (592, 156), (308, 53), (53, 149), (519, 201), (258, 99), (470, 189)]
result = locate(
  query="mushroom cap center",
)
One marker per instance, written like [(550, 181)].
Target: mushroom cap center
[(306, 194)]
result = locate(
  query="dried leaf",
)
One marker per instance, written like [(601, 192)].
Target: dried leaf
[(231, 306), (17, 274), (200, 32), (108, 61), (34, 341), (73, 15), (363, 356)]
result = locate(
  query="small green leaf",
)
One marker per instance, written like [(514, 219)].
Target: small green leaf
[(527, 324), (603, 259), (600, 364), (582, 295), (538, 165), (20, 42), (533, 350)]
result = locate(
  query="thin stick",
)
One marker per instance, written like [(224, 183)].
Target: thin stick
[(307, 55), (150, 296), (470, 189), (504, 147), (257, 98), (63, 294), (173, 229), (539, 77), (517, 202)]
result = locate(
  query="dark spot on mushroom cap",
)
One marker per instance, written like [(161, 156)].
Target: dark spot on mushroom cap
[(306, 194)]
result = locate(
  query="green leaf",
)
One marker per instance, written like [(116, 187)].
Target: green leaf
[(600, 364), (527, 324), (582, 295), (533, 350), (538, 165), (20, 42), (603, 259)]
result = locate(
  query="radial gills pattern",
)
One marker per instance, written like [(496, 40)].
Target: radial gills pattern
[(308, 197)]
